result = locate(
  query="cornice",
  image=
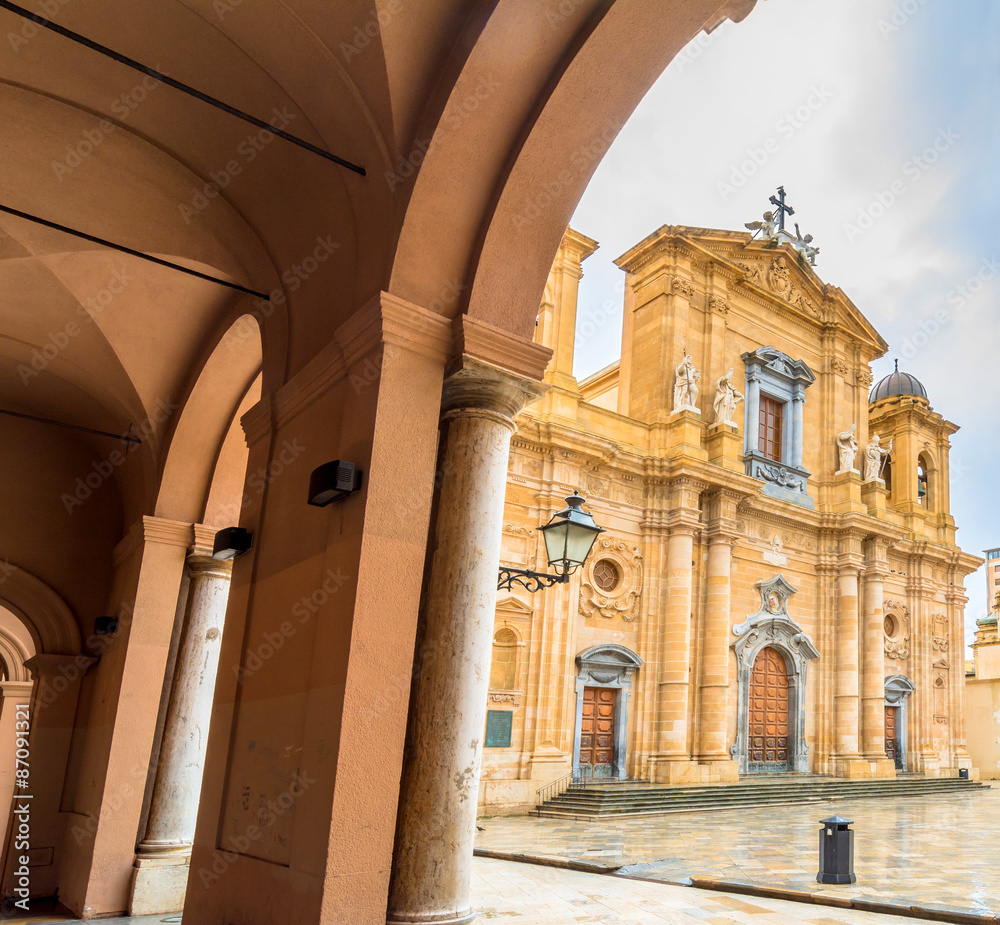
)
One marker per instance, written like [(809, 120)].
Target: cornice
[(258, 422), (500, 348), (152, 530), (393, 320)]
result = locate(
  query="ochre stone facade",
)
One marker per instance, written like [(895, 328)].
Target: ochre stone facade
[(715, 551), (982, 692)]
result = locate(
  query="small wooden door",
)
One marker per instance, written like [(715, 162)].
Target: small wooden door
[(768, 713), (892, 749), (597, 730)]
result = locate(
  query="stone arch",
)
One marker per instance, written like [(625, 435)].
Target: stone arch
[(607, 665), (52, 625), (512, 179), (13, 655), (229, 381), (771, 626)]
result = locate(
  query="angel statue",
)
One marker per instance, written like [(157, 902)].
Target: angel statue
[(768, 226), (804, 246), (685, 387), (727, 396), (847, 444), (874, 454)]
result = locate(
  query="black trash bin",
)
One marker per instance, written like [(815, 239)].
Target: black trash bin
[(836, 851)]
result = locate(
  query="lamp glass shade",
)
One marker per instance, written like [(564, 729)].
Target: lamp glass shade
[(570, 536)]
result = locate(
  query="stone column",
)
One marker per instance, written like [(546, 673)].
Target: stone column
[(873, 678), (847, 678), (673, 757), (12, 693), (753, 411), (52, 715), (677, 643), (714, 715), (161, 864), (436, 824)]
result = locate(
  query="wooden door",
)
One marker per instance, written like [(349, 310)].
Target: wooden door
[(768, 713), (597, 730), (891, 739)]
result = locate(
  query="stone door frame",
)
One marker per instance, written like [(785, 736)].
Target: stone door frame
[(606, 665), (897, 694), (772, 626)]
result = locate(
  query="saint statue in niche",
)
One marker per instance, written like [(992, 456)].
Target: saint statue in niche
[(874, 455), (727, 396), (685, 385)]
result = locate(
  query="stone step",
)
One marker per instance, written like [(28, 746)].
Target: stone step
[(647, 799)]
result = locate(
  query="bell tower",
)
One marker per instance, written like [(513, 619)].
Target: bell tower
[(916, 472)]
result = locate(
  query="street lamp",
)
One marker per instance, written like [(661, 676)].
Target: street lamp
[(569, 537)]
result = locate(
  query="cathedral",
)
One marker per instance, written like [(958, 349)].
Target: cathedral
[(777, 587)]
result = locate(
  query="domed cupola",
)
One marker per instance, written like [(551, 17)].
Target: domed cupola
[(897, 383)]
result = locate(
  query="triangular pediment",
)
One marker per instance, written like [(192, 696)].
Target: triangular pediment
[(775, 273), (513, 605)]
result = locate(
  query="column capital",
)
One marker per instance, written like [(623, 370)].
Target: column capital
[(682, 523), (876, 561), (720, 507), (849, 566), (200, 564), (15, 690), (474, 387), (502, 349), (46, 666)]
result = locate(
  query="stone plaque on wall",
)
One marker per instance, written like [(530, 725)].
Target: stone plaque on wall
[(498, 726)]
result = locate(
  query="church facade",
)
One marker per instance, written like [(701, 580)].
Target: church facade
[(778, 586)]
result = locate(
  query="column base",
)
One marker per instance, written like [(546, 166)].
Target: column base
[(665, 771), (430, 918), (881, 767), (158, 885), (852, 768)]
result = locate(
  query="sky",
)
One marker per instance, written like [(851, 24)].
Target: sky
[(881, 118)]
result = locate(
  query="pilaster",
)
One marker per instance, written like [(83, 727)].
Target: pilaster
[(873, 676)]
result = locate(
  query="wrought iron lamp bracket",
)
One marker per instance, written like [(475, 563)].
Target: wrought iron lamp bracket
[(529, 580)]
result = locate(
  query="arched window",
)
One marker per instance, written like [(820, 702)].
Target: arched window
[(503, 671), (887, 474)]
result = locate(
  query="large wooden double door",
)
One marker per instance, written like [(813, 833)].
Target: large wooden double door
[(768, 719), (597, 731)]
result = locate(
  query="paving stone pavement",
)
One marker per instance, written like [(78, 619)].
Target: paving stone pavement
[(921, 850), (508, 893)]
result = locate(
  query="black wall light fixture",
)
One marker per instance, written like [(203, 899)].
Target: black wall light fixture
[(333, 481), (231, 542), (105, 626)]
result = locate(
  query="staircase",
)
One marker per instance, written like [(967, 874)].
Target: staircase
[(639, 798)]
